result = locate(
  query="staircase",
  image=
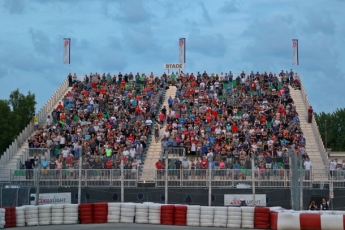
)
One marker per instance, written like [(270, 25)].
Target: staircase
[(314, 145), (20, 156), (154, 150)]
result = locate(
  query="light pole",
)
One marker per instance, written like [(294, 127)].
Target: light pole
[(166, 177), (79, 177), (122, 181), (253, 179), (38, 178)]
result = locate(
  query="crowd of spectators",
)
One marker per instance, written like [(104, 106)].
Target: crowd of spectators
[(227, 120), (222, 119), (100, 118)]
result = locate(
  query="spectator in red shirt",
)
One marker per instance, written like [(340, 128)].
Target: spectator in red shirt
[(310, 114)]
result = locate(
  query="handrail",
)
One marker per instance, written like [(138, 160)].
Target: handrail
[(29, 129), (315, 128)]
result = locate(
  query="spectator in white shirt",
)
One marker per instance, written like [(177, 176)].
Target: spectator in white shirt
[(307, 167), (332, 166)]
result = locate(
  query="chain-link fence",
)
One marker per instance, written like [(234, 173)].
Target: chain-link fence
[(14, 196)]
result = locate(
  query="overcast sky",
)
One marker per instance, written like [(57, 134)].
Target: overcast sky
[(142, 35)]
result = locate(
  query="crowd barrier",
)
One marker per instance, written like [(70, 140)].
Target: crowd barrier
[(323, 220), (245, 217)]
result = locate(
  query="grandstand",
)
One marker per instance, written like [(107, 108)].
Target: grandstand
[(153, 93)]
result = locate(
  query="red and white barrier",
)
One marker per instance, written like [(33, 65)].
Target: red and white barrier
[(167, 214), (86, 213), (114, 211), (155, 214), (180, 215), (261, 218), (193, 215), (234, 217), (100, 212), (141, 213), (127, 213), (206, 216), (313, 220)]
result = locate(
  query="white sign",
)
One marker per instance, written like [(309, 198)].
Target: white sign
[(52, 198), (66, 50), (174, 66), (295, 52), (235, 199), (182, 50)]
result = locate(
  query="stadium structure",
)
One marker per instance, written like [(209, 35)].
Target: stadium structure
[(148, 185)]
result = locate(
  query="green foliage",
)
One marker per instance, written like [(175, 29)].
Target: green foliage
[(334, 124), (15, 114)]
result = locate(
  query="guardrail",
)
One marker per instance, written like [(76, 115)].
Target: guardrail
[(227, 178), (29, 129)]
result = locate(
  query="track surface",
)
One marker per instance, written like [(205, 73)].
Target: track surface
[(117, 226)]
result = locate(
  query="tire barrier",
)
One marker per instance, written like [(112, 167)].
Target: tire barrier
[(10, 217), (234, 217), (2, 217), (180, 215), (261, 218), (20, 216), (114, 211), (274, 218), (57, 214), (31, 215), (206, 216), (86, 213), (167, 214), (142, 213), (247, 217), (312, 220), (220, 216), (127, 213), (100, 213), (70, 212), (193, 215), (44, 214), (155, 214)]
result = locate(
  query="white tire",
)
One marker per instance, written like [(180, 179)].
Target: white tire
[(193, 207), (59, 210), (47, 214), (114, 213), (31, 216), (141, 221), (114, 205), (128, 206), (44, 207), (206, 224), (141, 214), (70, 222), (74, 218), (125, 214), (31, 211), (31, 207), (247, 209), (194, 224), (56, 218), (113, 220), (233, 225), (234, 214), (57, 222), (154, 221), (235, 209), (71, 206), (32, 223), (20, 225), (44, 222), (2, 210), (70, 210), (127, 209), (203, 217), (193, 216), (206, 213), (61, 215), (74, 214), (2, 222)]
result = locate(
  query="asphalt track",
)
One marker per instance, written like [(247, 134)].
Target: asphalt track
[(119, 226)]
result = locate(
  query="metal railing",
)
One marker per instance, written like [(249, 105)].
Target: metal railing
[(227, 178), (70, 177), (29, 129), (315, 128)]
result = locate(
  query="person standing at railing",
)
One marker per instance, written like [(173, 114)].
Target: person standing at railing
[(307, 166), (29, 168), (310, 114)]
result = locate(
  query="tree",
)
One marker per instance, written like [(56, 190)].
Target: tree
[(16, 114), (334, 125)]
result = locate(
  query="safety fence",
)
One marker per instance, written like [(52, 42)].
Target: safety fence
[(279, 178), (248, 217)]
